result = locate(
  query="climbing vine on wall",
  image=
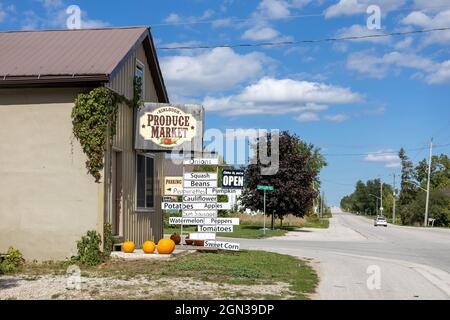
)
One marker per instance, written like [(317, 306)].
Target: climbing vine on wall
[(94, 122), (93, 117)]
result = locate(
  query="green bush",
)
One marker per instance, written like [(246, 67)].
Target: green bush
[(108, 239), (89, 252), (12, 260)]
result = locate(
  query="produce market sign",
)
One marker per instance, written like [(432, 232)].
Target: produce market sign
[(168, 127), (199, 206)]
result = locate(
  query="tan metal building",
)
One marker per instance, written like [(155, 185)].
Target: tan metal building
[(47, 198)]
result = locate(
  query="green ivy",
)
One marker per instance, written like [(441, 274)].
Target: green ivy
[(94, 118), (137, 86), (93, 115)]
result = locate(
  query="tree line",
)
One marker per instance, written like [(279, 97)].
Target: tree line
[(410, 198)]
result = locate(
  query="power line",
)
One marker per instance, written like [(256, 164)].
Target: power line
[(383, 152), (285, 43), (196, 21)]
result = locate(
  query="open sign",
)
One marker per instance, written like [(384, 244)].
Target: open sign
[(233, 179)]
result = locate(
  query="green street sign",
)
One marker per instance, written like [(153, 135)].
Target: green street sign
[(266, 188)]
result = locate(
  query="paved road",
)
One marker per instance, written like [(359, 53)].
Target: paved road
[(412, 263)]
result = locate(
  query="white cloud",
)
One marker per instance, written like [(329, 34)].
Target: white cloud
[(87, 23), (389, 157), (345, 7), (405, 43), (379, 67), (281, 96), (430, 5), (440, 75), (173, 18), (439, 20), (358, 30), (393, 164), (55, 16), (274, 9), (218, 69), (260, 30), (5, 11), (337, 117), (178, 19), (307, 117), (50, 4), (2, 14), (278, 9), (352, 7), (260, 33)]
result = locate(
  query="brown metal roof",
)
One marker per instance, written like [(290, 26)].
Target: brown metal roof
[(65, 52), (55, 56)]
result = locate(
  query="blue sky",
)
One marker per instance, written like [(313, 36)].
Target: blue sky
[(357, 100)]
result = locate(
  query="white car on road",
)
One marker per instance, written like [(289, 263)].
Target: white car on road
[(380, 221)]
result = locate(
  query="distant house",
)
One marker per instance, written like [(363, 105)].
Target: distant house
[(47, 198)]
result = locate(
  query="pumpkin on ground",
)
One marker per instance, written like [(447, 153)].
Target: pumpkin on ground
[(165, 246), (148, 247), (128, 247), (176, 238)]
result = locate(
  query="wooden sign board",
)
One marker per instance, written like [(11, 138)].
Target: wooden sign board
[(200, 176), (202, 236), (173, 185), (200, 213), (196, 206), (222, 245), (200, 184), (214, 228), (202, 161), (167, 127)]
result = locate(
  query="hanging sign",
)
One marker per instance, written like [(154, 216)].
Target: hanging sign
[(166, 127), (222, 245), (233, 179), (196, 206), (200, 213), (216, 228), (173, 186), (200, 176), (202, 236), (200, 184), (202, 161)]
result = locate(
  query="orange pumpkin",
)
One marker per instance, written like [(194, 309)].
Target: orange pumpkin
[(148, 247), (128, 247), (166, 246)]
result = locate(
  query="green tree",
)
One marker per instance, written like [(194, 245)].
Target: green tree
[(299, 166), (408, 189), (440, 172)]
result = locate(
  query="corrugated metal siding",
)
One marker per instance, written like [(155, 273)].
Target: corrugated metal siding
[(137, 226)]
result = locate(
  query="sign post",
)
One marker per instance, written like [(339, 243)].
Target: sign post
[(265, 188), (199, 206)]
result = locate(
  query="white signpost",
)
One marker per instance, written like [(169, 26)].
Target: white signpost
[(199, 205)]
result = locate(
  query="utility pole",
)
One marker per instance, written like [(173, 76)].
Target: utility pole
[(323, 202), (381, 197), (393, 204), (428, 184), (264, 212)]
